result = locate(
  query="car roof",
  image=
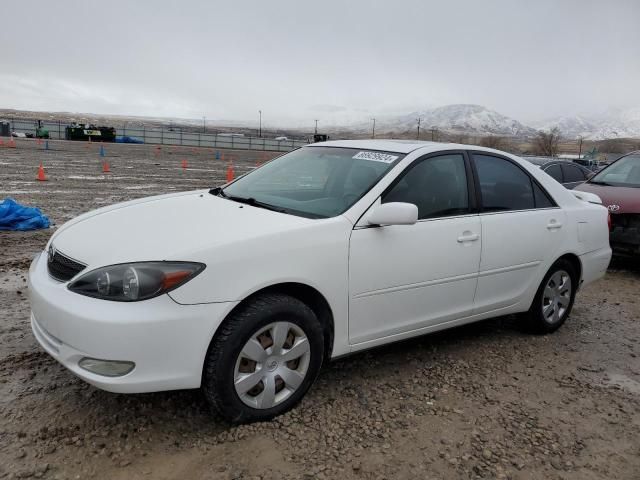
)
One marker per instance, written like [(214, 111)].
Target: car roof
[(399, 146), (539, 160), (543, 162)]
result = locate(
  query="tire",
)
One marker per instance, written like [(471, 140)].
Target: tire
[(551, 307), (263, 359)]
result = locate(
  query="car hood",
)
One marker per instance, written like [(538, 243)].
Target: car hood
[(627, 198), (166, 227)]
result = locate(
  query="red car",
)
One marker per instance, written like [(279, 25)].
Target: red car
[(618, 185)]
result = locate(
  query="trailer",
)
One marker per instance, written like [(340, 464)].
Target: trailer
[(82, 132)]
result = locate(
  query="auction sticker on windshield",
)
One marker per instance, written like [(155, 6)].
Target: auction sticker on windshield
[(375, 156)]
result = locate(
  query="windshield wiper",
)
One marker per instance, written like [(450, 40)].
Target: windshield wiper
[(597, 182), (255, 203), (219, 192)]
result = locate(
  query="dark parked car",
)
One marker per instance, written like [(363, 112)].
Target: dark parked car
[(618, 185), (569, 174)]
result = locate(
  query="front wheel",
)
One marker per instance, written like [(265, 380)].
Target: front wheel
[(554, 299), (263, 359)]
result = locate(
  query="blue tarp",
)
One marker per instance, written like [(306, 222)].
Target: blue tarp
[(127, 139), (14, 216)]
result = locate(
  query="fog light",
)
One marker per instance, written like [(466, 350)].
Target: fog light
[(106, 368)]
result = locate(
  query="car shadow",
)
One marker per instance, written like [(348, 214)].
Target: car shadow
[(626, 264), (187, 412)]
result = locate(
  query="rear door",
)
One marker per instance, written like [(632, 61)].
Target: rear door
[(520, 230)]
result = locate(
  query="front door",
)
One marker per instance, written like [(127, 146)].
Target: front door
[(404, 278)]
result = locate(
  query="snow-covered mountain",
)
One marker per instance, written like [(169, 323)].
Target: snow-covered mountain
[(614, 123), (617, 123), (479, 120), (464, 118), (570, 126), (459, 118)]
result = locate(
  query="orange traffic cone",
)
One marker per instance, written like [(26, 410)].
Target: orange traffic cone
[(105, 167), (184, 164), (230, 174), (41, 176), (12, 143)]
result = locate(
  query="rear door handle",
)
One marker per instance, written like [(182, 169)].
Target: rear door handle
[(554, 225), (468, 237)]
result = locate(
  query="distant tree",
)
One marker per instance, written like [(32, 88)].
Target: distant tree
[(494, 141), (546, 143)]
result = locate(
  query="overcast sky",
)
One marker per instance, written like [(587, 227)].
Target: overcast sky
[(328, 59)]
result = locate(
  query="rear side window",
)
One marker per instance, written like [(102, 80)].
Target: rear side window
[(504, 186), (572, 174), (541, 198), (555, 172)]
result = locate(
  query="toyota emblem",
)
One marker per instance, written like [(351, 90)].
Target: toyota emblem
[(613, 208)]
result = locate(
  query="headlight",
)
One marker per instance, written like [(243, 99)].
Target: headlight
[(130, 282)]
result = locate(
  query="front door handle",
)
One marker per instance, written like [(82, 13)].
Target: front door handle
[(554, 225), (468, 237)]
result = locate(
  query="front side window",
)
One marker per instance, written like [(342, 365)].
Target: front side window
[(622, 173), (436, 185), (504, 186), (314, 182)]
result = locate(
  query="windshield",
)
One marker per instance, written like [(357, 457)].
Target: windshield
[(314, 182), (623, 173)]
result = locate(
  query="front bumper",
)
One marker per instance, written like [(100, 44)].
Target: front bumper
[(166, 341), (625, 234), (625, 242)]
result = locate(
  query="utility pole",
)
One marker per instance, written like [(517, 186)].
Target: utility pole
[(433, 133), (418, 136), (204, 124), (316, 130), (260, 127), (580, 148), (373, 131)]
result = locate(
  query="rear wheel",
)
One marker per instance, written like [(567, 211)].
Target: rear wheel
[(554, 299), (263, 359)]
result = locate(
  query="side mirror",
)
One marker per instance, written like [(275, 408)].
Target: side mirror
[(394, 213)]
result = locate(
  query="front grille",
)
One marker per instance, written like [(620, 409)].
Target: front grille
[(625, 220), (625, 233), (62, 267)]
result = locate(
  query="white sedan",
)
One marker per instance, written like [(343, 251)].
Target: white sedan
[(334, 248)]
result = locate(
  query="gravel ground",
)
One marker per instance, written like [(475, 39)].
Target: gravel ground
[(482, 401)]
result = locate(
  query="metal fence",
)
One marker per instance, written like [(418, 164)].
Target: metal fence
[(174, 136)]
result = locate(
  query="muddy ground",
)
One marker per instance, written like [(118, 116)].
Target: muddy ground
[(482, 401)]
